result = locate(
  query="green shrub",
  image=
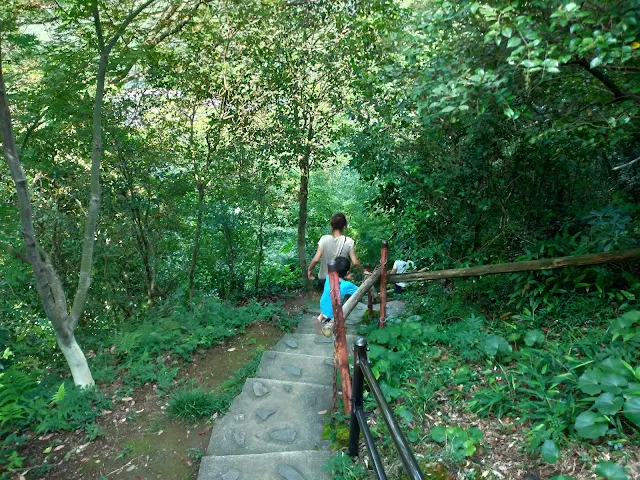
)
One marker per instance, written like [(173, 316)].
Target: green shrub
[(459, 443), (191, 403), (342, 466)]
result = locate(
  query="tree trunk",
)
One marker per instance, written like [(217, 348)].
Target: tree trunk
[(260, 253), (75, 358), (146, 251), (231, 261), (303, 199), (196, 241), (48, 284)]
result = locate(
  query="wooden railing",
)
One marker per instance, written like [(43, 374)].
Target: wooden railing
[(353, 403)]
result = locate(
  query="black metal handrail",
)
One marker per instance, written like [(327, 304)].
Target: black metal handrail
[(362, 371)]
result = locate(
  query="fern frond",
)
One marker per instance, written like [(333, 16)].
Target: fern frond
[(59, 395)]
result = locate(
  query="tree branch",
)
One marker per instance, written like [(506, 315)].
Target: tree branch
[(15, 253), (604, 79), (123, 26), (626, 164)]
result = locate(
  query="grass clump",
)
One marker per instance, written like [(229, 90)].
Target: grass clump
[(191, 403)]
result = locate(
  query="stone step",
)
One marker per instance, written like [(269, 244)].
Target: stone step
[(292, 367), (352, 329), (272, 416), (314, 309), (301, 465), (309, 344)]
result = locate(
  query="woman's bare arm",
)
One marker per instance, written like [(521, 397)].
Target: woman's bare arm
[(313, 263)]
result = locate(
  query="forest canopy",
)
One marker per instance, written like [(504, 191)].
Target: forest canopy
[(164, 152)]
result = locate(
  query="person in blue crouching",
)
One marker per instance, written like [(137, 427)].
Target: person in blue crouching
[(346, 289)]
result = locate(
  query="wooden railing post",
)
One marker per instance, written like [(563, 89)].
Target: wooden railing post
[(384, 257), (342, 351)]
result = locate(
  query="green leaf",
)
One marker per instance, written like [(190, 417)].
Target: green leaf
[(469, 448), (494, 344), (380, 336), (632, 316), (549, 451), (632, 410), (475, 434), (514, 42), (507, 32), (589, 382), (561, 477), (448, 109), (438, 434), (608, 404), (612, 382), (59, 395), (591, 425), (595, 62), (611, 471), (533, 336)]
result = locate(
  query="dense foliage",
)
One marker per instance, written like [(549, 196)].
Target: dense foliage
[(166, 157)]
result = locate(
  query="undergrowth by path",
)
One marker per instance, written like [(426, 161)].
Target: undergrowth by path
[(482, 392), (148, 351)]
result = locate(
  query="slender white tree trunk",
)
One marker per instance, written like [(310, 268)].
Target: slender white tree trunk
[(76, 360)]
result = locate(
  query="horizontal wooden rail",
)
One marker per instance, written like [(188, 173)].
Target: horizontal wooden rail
[(350, 304), (528, 266)]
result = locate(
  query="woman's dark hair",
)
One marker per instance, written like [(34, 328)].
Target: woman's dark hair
[(338, 221)]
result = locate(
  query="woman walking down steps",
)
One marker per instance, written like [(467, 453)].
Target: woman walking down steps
[(331, 247)]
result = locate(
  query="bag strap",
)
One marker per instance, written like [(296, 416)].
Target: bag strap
[(340, 251)]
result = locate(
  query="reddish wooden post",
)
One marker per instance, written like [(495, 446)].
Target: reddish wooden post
[(342, 351), (369, 300), (384, 257)]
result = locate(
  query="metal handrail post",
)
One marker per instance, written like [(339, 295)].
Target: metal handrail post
[(406, 456), (356, 395)]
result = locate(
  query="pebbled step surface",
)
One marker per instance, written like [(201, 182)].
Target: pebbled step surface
[(293, 367), (285, 418), (300, 465), (309, 344)]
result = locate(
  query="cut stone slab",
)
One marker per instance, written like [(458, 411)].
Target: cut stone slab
[(306, 344), (259, 390), (288, 435), (289, 473), (292, 369), (298, 423), (308, 465), (231, 475), (313, 369), (263, 413), (240, 438)]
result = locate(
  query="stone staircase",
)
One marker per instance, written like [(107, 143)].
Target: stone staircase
[(273, 429)]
